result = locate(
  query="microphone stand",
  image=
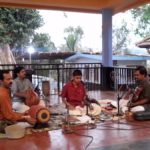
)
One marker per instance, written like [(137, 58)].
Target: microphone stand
[(87, 111), (66, 128), (119, 97), (87, 103), (118, 104)]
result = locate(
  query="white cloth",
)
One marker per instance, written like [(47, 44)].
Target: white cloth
[(103, 102), (123, 106), (79, 111), (21, 107), (84, 119)]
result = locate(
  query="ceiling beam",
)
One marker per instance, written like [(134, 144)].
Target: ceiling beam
[(90, 6)]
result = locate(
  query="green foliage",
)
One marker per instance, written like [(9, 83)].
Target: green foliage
[(74, 35), (120, 39), (142, 16), (17, 26), (42, 42)]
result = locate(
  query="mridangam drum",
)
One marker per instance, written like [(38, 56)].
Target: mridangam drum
[(40, 113)]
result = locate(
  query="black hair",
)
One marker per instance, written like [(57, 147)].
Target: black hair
[(2, 72), (142, 70), (17, 70), (77, 73)]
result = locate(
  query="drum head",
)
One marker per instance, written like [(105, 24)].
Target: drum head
[(43, 116)]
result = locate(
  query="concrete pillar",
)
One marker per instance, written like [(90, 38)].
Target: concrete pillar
[(107, 37)]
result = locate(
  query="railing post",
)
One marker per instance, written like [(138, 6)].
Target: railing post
[(58, 78)]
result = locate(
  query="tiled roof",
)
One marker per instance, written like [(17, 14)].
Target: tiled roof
[(99, 57), (145, 43)]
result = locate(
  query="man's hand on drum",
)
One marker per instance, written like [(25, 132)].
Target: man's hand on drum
[(29, 119)]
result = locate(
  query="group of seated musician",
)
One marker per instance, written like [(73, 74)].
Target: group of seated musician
[(16, 98), (73, 95), (135, 100)]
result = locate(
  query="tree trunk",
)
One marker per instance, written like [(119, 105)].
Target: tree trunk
[(6, 56)]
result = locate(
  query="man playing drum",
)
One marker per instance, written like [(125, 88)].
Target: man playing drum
[(7, 116), (23, 92)]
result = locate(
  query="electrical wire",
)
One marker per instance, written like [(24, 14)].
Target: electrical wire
[(87, 136), (88, 127), (107, 126)]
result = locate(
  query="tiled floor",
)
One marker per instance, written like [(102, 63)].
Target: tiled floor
[(108, 135)]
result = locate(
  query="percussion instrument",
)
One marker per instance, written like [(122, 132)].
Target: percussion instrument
[(134, 96), (137, 93), (40, 113), (141, 116), (33, 98)]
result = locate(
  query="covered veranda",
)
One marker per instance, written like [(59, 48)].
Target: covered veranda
[(110, 135)]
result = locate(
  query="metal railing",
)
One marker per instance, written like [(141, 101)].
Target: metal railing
[(94, 75)]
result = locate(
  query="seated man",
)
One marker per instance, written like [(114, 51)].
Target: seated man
[(74, 95), (139, 98), (7, 116), (22, 91)]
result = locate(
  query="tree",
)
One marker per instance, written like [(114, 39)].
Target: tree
[(120, 38), (73, 37), (17, 26), (142, 16), (42, 42)]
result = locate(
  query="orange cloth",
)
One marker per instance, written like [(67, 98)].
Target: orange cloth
[(6, 112), (33, 98)]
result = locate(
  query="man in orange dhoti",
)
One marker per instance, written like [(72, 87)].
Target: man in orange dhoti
[(6, 112)]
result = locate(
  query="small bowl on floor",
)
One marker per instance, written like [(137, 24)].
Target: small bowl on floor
[(14, 131)]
